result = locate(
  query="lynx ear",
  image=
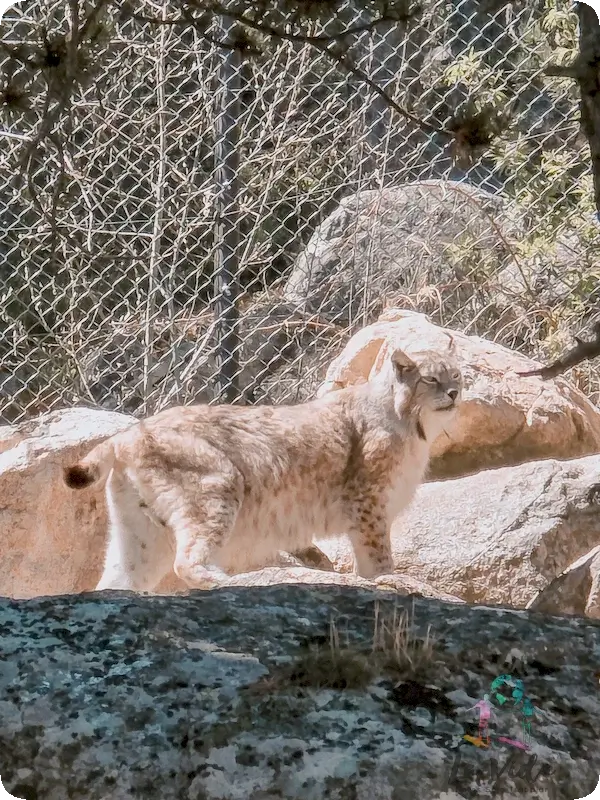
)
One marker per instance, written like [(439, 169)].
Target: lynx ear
[(402, 363)]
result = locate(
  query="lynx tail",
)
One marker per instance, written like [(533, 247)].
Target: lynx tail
[(93, 468)]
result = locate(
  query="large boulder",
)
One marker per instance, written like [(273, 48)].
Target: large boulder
[(504, 419), (403, 240), (302, 693), (53, 539), (575, 591), (501, 536)]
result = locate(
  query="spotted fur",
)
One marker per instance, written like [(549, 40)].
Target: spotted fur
[(211, 490)]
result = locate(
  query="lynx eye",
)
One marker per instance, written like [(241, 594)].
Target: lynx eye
[(429, 380), (455, 376)]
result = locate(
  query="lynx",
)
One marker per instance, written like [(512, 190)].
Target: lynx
[(208, 491)]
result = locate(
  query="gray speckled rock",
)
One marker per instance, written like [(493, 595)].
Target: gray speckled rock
[(384, 242), (221, 696)]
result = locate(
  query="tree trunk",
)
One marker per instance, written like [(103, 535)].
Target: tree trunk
[(588, 78)]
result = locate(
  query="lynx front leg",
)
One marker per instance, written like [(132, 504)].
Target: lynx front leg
[(370, 537)]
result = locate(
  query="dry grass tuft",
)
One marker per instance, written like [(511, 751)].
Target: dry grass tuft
[(395, 651), (396, 646)]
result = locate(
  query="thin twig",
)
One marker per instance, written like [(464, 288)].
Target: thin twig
[(471, 198), (199, 350), (320, 43), (346, 63), (268, 30), (581, 352)]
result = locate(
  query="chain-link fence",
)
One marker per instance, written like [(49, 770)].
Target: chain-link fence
[(197, 207)]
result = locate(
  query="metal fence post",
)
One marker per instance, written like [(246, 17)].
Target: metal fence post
[(226, 175)]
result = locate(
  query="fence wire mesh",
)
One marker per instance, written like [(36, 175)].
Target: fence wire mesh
[(184, 221)]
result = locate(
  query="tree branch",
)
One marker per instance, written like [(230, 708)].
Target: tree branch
[(558, 71), (582, 351), (345, 62), (92, 18), (319, 42), (299, 38)]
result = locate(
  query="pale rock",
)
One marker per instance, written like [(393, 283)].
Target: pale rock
[(445, 247), (53, 538), (574, 591), (503, 419), (501, 536), (309, 557), (401, 584), (409, 585), (271, 576)]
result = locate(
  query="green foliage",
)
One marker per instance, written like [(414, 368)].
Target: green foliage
[(546, 176)]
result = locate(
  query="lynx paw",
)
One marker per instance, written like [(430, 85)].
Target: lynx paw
[(199, 577)]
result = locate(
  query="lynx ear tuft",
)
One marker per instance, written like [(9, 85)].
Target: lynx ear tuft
[(402, 362)]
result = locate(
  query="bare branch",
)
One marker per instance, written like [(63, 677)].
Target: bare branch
[(57, 103), (559, 71), (582, 351), (92, 18), (300, 38), (319, 42), (345, 62)]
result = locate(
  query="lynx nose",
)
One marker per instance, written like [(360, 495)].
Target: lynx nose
[(452, 394)]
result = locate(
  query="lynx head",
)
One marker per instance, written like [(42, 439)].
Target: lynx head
[(428, 387)]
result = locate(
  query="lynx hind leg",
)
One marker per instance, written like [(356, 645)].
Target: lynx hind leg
[(140, 550), (369, 535), (202, 521)]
